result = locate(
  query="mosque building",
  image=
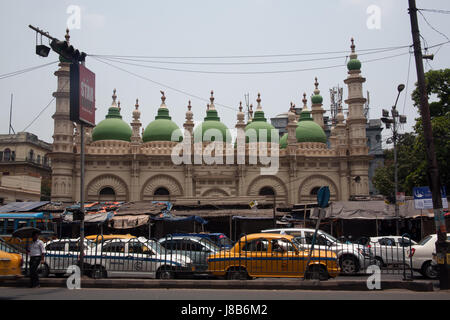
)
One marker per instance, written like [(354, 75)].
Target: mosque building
[(132, 162)]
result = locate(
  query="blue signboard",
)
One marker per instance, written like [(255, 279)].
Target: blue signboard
[(423, 198), (323, 196)]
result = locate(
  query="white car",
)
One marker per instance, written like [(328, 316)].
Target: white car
[(139, 258), (353, 258), (391, 250), (59, 255), (422, 256)]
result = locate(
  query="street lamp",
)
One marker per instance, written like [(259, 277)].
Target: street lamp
[(392, 122)]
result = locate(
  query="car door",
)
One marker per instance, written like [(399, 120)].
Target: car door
[(113, 257), (286, 260), (55, 256), (254, 256), (140, 260)]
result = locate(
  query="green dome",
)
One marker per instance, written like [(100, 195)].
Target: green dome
[(112, 128), (162, 128), (308, 130), (258, 123), (316, 99), (212, 121), (354, 64)]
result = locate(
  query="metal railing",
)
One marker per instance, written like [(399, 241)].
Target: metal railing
[(250, 257)]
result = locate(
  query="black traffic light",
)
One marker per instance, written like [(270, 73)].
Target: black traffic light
[(68, 52), (42, 50)]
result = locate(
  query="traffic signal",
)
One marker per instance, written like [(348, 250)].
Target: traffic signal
[(42, 50), (68, 52)]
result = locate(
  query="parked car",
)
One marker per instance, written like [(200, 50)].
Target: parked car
[(196, 248), (219, 239), (10, 261), (422, 256), (272, 255), (136, 257), (390, 250), (352, 257), (60, 254)]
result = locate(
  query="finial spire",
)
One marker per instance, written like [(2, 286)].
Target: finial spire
[(137, 104), (163, 99), (305, 101), (67, 36), (353, 45), (258, 100), (240, 106), (114, 97), (189, 105), (211, 105), (316, 84)]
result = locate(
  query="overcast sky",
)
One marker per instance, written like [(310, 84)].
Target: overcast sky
[(213, 28)]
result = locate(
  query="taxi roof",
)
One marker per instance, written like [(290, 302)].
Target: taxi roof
[(266, 235)]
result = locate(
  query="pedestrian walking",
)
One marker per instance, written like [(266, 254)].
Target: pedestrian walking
[(36, 251)]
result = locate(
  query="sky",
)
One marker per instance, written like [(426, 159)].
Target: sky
[(212, 28)]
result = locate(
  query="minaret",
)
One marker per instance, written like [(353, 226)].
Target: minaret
[(316, 108), (291, 129), (188, 150), (356, 121), (136, 125), (356, 126), (63, 136)]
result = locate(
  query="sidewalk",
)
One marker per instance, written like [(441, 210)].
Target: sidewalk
[(258, 284)]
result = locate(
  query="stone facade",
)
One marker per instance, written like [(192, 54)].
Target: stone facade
[(136, 170)]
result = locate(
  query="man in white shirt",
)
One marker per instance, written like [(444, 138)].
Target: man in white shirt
[(36, 251)]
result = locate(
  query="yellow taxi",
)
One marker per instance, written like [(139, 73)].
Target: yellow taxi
[(10, 261), (272, 255), (99, 238)]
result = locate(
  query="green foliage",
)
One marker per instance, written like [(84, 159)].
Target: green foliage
[(411, 152)]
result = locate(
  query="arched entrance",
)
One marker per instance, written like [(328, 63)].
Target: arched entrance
[(107, 194)]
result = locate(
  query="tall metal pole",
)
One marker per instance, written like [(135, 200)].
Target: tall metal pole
[(395, 170), (10, 114), (82, 198), (433, 171)]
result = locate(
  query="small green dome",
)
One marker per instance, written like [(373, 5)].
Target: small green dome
[(258, 123), (209, 125), (308, 130), (316, 99), (113, 127), (354, 64), (162, 128)]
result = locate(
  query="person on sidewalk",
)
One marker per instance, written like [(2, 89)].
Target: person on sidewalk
[(37, 254)]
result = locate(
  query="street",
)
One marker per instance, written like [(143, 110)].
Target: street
[(217, 294)]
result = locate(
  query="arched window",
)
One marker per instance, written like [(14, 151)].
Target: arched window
[(314, 191), (31, 155), (107, 194), (267, 191), (161, 192), (7, 155), (38, 159)]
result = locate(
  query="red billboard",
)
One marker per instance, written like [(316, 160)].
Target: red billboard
[(82, 94)]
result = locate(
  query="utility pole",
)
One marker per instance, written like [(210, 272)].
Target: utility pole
[(395, 120), (433, 171), (10, 116)]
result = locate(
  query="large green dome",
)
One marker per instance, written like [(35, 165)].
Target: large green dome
[(162, 128), (308, 130), (354, 64), (283, 141), (209, 126), (258, 123), (113, 127)]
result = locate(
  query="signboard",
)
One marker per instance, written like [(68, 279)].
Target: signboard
[(400, 198), (82, 95), (253, 204), (423, 199), (323, 196)]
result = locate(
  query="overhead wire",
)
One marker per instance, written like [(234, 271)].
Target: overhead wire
[(19, 72)]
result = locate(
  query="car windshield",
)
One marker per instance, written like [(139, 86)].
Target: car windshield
[(297, 243), (156, 246), (424, 240), (209, 244), (225, 242), (329, 237)]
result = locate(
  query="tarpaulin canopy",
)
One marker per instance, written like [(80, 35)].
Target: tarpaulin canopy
[(37, 215), (370, 210), (190, 218), (90, 218), (22, 206)]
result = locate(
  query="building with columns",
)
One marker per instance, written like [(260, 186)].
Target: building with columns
[(131, 162)]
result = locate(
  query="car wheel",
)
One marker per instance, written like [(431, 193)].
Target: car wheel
[(43, 270), (165, 274), (237, 274), (317, 272), (349, 265), (98, 272), (429, 271)]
